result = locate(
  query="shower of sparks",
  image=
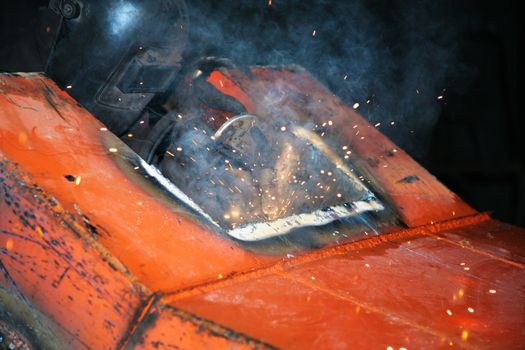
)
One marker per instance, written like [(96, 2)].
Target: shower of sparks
[(268, 182)]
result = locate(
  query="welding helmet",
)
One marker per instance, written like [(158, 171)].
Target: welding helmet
[(114, 56)]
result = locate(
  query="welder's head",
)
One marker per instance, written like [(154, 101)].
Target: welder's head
[(113, 56)]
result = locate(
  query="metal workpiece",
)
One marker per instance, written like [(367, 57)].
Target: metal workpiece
[(98, 252)]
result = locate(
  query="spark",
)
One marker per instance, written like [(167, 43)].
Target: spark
[(492, 291), (345, 77), (130, 135), (283, 128), (355, 105), (69, 86), (314, 32), (141, 122), (9, 244), (464, 335), (113, 150), (103, 129), (470, 309), (77, 180), (440, 97), (449, 312)]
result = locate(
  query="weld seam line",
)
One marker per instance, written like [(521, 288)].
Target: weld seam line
[(323, 253)]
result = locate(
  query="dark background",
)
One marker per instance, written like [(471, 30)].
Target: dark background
[(400, 55)]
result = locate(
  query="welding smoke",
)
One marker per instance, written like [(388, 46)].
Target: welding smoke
[(394, 58)]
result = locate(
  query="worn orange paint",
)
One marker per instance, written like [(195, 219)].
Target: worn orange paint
[(113, 266), (166, 327), (52, 260)]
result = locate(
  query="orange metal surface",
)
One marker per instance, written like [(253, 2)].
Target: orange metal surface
[(49, 258), (168, 328), (112, 264), (415, 292)]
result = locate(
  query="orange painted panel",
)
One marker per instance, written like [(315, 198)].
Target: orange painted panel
[(168, 328), (435, 292), (291, 315), (54, 263)]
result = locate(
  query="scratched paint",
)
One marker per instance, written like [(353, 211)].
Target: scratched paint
[(110, 262)]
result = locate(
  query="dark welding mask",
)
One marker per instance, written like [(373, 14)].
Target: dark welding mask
[(114, 56)]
